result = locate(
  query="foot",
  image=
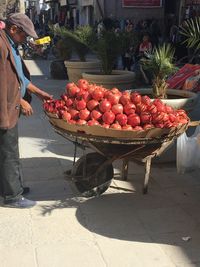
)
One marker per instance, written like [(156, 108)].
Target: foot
[(21, 202), (26, 190)]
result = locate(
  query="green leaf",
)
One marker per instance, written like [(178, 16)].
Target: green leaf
[(191, 31), (80, 39)]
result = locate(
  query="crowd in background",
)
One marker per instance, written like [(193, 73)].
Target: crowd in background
[(148, 33)]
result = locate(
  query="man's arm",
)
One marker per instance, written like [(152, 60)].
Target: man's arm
[(38, 92), (26, 108)]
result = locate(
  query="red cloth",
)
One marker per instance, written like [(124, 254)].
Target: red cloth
[(145, 46), (178, 79)]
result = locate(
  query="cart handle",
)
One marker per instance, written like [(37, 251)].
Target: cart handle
[(193, 123)]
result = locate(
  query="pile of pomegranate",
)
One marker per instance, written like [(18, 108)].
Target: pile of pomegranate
[(90, 104)]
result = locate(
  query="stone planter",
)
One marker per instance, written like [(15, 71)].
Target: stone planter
[(120, 79), (75, 68)]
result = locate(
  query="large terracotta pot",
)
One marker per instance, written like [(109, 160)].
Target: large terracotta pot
[(75, 68), (121, 79)]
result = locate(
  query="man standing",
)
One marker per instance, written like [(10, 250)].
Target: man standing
[(14, 84)]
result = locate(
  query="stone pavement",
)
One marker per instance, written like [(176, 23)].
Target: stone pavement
[(121, 228)]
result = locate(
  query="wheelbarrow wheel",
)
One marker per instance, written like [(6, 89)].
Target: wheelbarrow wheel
[(90, 179)]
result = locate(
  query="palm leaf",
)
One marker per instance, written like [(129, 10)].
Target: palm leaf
[(160, 63), (191, 31), (79, 40)]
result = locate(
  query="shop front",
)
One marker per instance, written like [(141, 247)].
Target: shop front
[(68, 14), (134, 9), (143, 4), (87, 12)]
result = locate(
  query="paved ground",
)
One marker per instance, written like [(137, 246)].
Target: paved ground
[(121, 228)]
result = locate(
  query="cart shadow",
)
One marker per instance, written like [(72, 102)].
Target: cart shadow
[(153, 219), (121, 215)]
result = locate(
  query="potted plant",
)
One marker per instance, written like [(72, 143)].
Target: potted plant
[(108, 47), (160, 65), (79, 41)]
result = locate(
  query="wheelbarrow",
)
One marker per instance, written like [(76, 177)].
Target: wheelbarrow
[(93, 172)]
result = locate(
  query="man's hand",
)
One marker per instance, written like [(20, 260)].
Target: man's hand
[(43, 95), (26, 108)]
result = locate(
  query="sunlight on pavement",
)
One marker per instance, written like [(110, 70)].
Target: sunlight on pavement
[(35, 67), (38, 147)]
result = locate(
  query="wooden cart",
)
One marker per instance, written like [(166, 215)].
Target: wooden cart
[(93, 172)]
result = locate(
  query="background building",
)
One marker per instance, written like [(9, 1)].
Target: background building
[(83, 12), (95, 10)]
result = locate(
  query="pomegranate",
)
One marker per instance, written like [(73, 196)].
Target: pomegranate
[(69, 102), (121, 119), (95, 114), (72, 90), (93, 122), (127, 127), (83, 84), (108, 117), (81, 122), (64, 97), (98, 94), (146, 100), (104, 105), (136, 98), (133, 120), (138, 128), (116, 91), (80, 104), (141, 108), (74, 113), (117, 108), (145, 117), (105, 125), (115, 126), (125, 98), (148, 126), (129, 108), (92, 104), (152, 109), (66, 116), (113, 98), (84, 114)]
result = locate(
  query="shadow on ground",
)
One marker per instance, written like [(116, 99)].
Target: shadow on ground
[(152, 218)]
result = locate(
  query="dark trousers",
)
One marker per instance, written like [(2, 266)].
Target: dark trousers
[(10, 179), (127, 63)]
